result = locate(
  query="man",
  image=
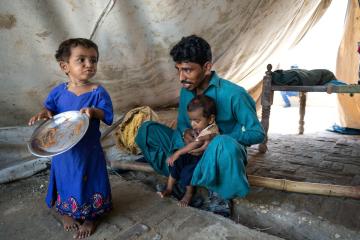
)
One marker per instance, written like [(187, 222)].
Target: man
[(285, 96), (222, 165)]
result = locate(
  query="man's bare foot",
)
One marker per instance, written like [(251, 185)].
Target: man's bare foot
[(184, 202), (70, 224), (85, 229), (165, 193)]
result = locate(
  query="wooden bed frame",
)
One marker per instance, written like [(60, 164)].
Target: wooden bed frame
[(268, 94)]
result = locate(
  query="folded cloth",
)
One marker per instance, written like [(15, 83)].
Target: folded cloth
[(302, 77)]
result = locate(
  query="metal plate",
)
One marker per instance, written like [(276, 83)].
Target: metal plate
[(58, 134)]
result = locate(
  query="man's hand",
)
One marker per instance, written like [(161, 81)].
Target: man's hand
[(207, 137), (43, 115), (188, 136), (200, 150), (206, 140)]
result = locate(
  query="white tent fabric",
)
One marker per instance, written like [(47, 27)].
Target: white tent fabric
[(134, 39)]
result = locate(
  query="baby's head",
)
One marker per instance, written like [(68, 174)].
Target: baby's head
[(202, 111), (64, 51)]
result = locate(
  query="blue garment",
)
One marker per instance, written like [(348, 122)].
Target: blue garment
[(79, 184), (183, 168), (336, 83), (222, 166), (344, 130), (286, 94)]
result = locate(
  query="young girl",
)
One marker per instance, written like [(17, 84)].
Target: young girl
[(201, 111), (79, 186)]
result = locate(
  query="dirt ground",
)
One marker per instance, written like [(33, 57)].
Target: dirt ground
[(138, 214), (319, 157)]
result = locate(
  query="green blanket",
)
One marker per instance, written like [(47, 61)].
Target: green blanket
[(302, 77)]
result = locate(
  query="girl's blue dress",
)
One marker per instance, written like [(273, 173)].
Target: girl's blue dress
[(79, 184)]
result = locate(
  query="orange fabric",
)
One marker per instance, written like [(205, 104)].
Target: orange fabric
[(348, 65)]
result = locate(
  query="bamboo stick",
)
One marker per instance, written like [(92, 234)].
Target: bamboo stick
[(272, 183), (306, 187), (130, 165)]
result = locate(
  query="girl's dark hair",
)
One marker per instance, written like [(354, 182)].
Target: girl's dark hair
[(192, 49), (207, 104), (64, 51)]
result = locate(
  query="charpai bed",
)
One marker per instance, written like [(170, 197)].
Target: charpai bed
[(269, 86)]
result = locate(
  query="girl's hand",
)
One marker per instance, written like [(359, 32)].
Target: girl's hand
[(90, 112), (93, 112), (43, 115)]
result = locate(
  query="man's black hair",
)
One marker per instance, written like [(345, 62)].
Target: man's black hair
[(192, 49), (64, 51), (207, 104)]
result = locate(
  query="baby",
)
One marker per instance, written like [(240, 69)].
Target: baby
[(201, 111)]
